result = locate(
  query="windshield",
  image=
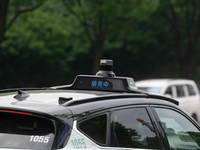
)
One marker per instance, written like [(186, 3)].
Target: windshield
[(24, 130), (151, 89)]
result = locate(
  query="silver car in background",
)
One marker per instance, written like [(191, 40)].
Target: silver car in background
[(183, 90)]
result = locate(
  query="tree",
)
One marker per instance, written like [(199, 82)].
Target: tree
[(34, 50), (16, 8), (183, 15), (96, 17)]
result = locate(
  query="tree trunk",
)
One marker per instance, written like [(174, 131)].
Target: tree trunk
[(3, 15), (98, 51), (188, 60), (186, 67)]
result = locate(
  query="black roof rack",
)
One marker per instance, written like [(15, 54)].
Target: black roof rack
[(101, 98), (118, 96)]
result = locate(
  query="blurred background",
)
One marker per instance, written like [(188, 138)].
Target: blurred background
[(48, 42)]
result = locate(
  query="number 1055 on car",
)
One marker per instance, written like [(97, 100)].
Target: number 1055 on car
[(41, 139)]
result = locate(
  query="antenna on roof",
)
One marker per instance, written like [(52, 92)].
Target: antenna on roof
[(21, 95)]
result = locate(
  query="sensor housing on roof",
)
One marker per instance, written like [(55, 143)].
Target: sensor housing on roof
[(106, 66), (104, 80)]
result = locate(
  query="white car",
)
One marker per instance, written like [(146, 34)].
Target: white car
[(185, 91), (95, 112)]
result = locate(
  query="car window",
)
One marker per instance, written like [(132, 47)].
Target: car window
[(180, 91), (151, 89), (95, 128), (25, 131), (169, 91), (180, 132), (132, 128), (191, 90)]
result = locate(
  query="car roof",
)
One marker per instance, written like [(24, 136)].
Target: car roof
[(161, 82), (78, 101), (41, 99)]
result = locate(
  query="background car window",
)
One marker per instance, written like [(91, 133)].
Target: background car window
[(180, 91), (95, 128), (190, 89), (169, 91), (151, 89), (180, 132), (132, 128)]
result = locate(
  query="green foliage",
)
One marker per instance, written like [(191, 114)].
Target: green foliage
[(49, 46), (100, 16), (20, 5), (35, 50)]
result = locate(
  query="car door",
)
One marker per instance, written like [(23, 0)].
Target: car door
[(136, 127), (132, 128), (120, 128), (181, 132)]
